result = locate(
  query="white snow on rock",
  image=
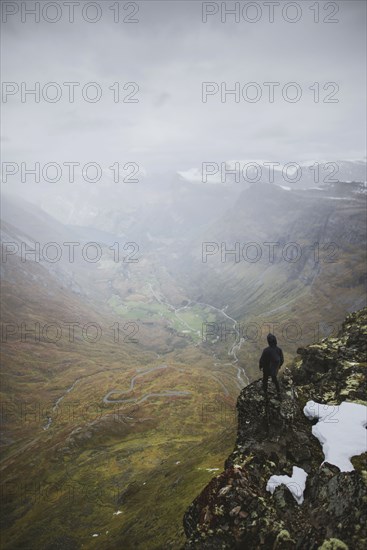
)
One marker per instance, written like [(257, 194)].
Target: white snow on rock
[(341, 430), (296, 484)]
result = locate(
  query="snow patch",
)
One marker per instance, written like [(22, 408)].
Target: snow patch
[(296, 484), (195, 175), (341, 430), (285, 187)]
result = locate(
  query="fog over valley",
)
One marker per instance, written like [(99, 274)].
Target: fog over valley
[(183, 275)]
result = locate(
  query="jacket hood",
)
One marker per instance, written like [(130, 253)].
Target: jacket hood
[(272, 341)]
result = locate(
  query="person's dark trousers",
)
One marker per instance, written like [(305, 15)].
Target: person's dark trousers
[(274, 378)]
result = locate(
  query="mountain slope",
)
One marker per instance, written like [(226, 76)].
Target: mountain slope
[(94, 432), (304, 298), (327, 227)]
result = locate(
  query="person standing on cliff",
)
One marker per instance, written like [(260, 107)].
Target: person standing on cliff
[(270, 362)]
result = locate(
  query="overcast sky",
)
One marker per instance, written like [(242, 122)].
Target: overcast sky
[(169, 53)]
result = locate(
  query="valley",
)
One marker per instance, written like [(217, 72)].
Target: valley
[(159, 231), (108, 433)]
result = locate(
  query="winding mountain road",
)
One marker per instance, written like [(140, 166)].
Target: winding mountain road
[(241, 377), (165, 393)]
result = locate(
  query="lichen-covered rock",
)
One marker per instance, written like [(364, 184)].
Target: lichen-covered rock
[(236, 511), (333, 544)]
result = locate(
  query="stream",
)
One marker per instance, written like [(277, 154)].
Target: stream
[(241, 374)]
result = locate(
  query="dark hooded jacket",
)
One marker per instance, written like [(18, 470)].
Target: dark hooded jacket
[(272, 357)]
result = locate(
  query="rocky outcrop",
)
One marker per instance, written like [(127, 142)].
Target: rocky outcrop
[(235, 511)]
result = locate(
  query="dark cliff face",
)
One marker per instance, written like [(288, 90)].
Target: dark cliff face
[(235, 511)]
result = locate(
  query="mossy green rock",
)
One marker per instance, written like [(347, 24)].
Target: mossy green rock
[(333, 544)]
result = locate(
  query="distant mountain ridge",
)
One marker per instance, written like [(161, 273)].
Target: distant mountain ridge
[(292, 173)]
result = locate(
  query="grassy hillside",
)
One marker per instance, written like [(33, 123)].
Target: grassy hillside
[(106, 442)]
